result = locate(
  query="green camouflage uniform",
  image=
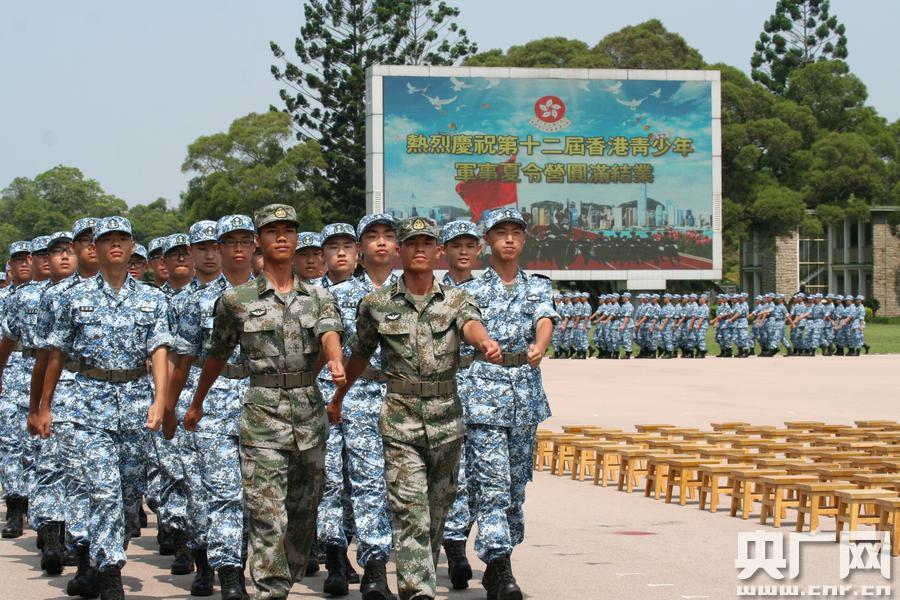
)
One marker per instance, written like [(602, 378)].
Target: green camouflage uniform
[(283, 426), (422, 430)]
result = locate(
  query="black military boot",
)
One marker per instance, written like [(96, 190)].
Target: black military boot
[(374, 584), (866, 348), (458, 566), (142, 517), (52, 552), (499, 582), (111, 584), (839, 351), (15, 517), (205, 577), (86, 582), (702, 353), (312, 562), (336, 584), (165, 541), (183, 564), (230, 583), (352, 575)]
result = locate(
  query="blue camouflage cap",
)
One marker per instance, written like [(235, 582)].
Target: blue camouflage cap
[(59, 236), (374, 219), (40, 244), (654, 296), (229, 223), (666, 295), (615, 295), (863, 298), (758, 297), (779, 296), (799, 295), (155, 245), (492, 218), (140, 250), (110, 225), (174, 241), (704, 296), (309, 239), (83, 224), (20, 247), (677, 296), (692, 296), (838, 297), (455, 229), (626, 294), (203, 231), (333, 229)]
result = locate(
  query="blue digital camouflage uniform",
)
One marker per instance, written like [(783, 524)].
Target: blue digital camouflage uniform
[(828, 322), (817, 315), (581, 333), (860, 324), (625, 324), (775, 325), (741, 334), (666, 325), (567, 312), (503, 407), (701, 324), (654, 312), (723, 331), (117, 332)]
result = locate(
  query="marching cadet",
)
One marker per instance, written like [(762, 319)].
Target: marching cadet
[(654, 340), (626, 328), (666, 326), (828, 325), (335, 524), (214, 421), (157, 264), (13, 408), (137, 266), (701, 323), (111, 324), (582, 345), (505, 402), (419, 324), (597, 318), (308, 260), (460, 243), (723, 313), (555, 340), (860, 339), (364, 454), (286, 330)]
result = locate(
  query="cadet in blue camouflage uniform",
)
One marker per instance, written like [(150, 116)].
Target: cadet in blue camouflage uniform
[(460, 244), (506, 402), (419, 325), (701, 324), (568, 324), (213, 423), (666, 326), (722, 335), (111, 324), (625, 325), (557, 331), (286, 330), (14, 405), (308, 259), (827, 343)]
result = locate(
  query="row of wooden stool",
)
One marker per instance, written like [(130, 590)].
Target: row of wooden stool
[(848, 472)]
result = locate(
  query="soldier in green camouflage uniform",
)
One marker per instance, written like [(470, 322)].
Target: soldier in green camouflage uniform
[(419, 324), (283, 326)]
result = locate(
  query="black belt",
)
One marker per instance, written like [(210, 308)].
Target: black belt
[(422, 389), (284, 381), (114, 375), (373, 375)]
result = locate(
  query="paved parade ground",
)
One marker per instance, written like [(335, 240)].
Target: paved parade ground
[(584, 541)]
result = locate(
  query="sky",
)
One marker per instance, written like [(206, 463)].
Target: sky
[(119, 89)]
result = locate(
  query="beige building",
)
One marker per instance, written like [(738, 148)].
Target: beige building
[(853, 257)]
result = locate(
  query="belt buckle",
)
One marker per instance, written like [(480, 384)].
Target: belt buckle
[(428, 388)]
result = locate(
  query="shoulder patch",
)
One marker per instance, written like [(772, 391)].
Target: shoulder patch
[(392, 317), (258, 312)]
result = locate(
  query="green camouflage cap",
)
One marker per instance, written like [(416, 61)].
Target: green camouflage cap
[(272, 213), (414, 226)]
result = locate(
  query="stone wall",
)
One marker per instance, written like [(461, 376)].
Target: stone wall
[(778, 263), (885, 266)]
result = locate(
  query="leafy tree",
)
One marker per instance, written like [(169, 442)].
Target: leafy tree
[(251, 165), (777, 209), (325, 89), (545, 53), (799, 33), (648, 45), (842, 165), (831, 92), (153, 220)]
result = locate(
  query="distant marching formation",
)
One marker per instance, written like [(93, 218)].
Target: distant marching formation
[(661, 325)]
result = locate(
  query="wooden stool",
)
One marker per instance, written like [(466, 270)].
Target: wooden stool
[(632, 464), (682, 472), (656, 474), (573, 429), (777, 496), (543, 452), (710, 488), (875, 423), (648, 427), (850, 508), (563, 452), (728, 426), (817, 500), (606, 457), (888, 509), (745, 489), (874, 480), (804, 425), (583, 459)]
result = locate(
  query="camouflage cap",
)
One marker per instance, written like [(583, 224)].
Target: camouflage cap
[(203, 231), (230, 223), (82, 225), (309, 239), (272, 213), (374, 219), (40, 244), (494, 217), (140, 250), (692, 296), (863, 298), (155, 246), (455, 229), (626, 294), (20, 247), (333, 229), (110, 225), (837, 297), (59, 236), (175, 240), (414, 226)]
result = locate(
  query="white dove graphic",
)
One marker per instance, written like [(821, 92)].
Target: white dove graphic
[(632, 104), (438, 103), (414, 90), (458, 85), (657, 93), (614, 88), (492, 82)]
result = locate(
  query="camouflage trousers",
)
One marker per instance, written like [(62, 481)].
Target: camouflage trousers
[(78, 501), (220, 474), (334, 524), (460, 518), (625, 338), (17, 448), (500, 460), (421, 485), (47, 501), (197, 512), (364, 459), (282, 489), (169, 487), (115, 480)]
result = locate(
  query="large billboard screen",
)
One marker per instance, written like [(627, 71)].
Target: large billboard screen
[(615, 171)]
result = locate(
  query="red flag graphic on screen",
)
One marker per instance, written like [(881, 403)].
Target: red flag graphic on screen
[(481, 195)]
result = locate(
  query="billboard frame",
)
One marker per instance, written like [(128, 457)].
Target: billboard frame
[(635, 279)]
